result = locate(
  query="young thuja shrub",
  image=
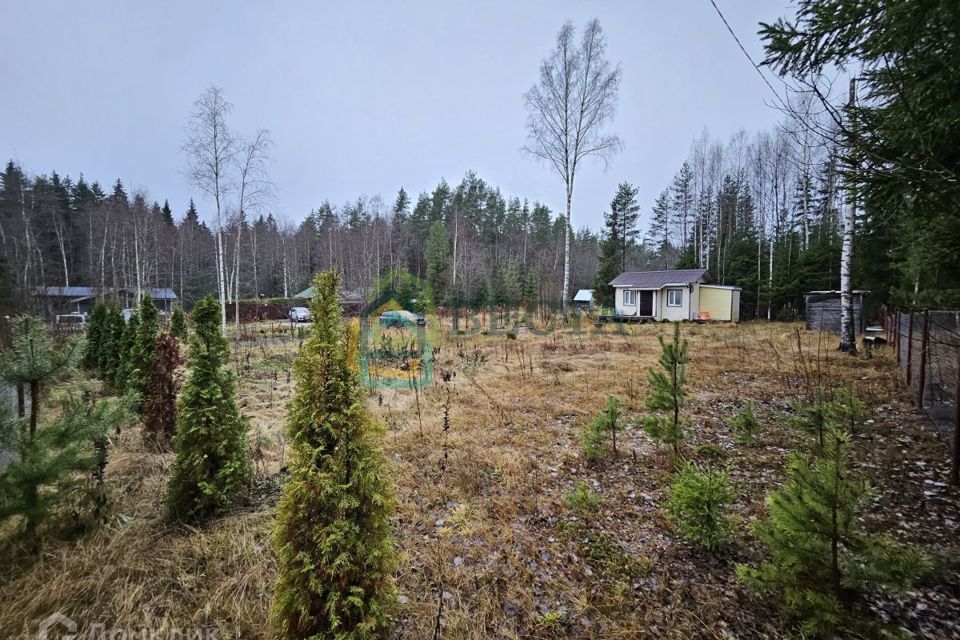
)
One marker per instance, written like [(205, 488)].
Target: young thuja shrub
[(160, 404), (142, 348), (212, 462), (178, 323), (746, 425), (95, 332), (582, 498), (819, 558), (602, 430), (332, 537), (125, 345), (667, 393), (698, 504), (111, 339)]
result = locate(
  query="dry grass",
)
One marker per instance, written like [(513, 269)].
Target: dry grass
[(482, 531)]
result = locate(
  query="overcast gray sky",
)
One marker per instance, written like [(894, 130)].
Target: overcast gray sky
[(363, 97)]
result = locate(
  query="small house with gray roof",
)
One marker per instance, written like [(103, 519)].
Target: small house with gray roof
[(677, 294)]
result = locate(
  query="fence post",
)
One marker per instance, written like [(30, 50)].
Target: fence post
[(924, 345), (910, 349), (898, 339), (955, 462)]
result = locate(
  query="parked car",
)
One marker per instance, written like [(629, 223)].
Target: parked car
[(299, 314), (401, 318)]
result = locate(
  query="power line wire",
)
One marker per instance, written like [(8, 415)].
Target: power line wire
[(749, 57)]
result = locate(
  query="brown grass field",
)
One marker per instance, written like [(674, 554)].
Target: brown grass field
[(487, 547)]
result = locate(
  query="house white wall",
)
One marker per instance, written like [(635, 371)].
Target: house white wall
[(665, 312)]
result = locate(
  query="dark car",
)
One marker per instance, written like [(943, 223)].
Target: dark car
[(400, 319)]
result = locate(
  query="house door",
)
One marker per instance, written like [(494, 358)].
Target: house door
[(645, 303)]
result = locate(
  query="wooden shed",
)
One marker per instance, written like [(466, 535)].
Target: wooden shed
[(822, 311)]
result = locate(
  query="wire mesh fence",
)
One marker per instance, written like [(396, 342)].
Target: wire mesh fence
[(928, 354)]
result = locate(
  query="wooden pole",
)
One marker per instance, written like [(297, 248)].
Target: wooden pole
[(909, 348), (955, 462), (924, 345)]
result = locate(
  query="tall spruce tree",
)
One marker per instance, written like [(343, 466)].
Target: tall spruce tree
[(819, 555), (660, 227), (212, 462), (619, 233), (332, 537)]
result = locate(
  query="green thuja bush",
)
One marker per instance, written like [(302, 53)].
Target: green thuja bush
[(601, 432), (210, 443), (125, 346), (96, 329), (111, 339), (667, 393), (332, 538), (142, 347), (819, 558), (698, 504), (178, 323), (746, 425)]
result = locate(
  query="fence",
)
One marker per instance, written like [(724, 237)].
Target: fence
[(927, 347)]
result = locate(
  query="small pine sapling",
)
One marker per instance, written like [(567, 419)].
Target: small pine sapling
[(602, 430), (819, 557), (698, 505), (332, 536), (212, 462), (582, 498), (746, 425), (54, 458), (178, 323), (160, 404), (667, 393)]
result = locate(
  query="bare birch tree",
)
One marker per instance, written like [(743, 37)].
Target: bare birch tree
[(211, 150), (567, 111)]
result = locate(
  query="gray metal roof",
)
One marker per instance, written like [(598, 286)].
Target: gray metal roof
[(658, 279), (584, 295), (158, 293)]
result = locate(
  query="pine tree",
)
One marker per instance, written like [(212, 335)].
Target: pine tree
[(52, 458), (660, 226), (603, 429), (178, 323), (620, 231), (819, 556), (697, 506), (210, 442), (160, 403), (667, 394), (332, 539), (96, 329), (141, 351)]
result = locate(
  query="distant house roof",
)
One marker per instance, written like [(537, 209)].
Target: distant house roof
[(658, 279), (584, 295), (161, 293), (347, 295)]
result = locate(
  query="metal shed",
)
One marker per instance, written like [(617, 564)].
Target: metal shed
[(822, 311)]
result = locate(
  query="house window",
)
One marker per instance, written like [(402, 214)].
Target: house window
[(629, 297), (674, 297)]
